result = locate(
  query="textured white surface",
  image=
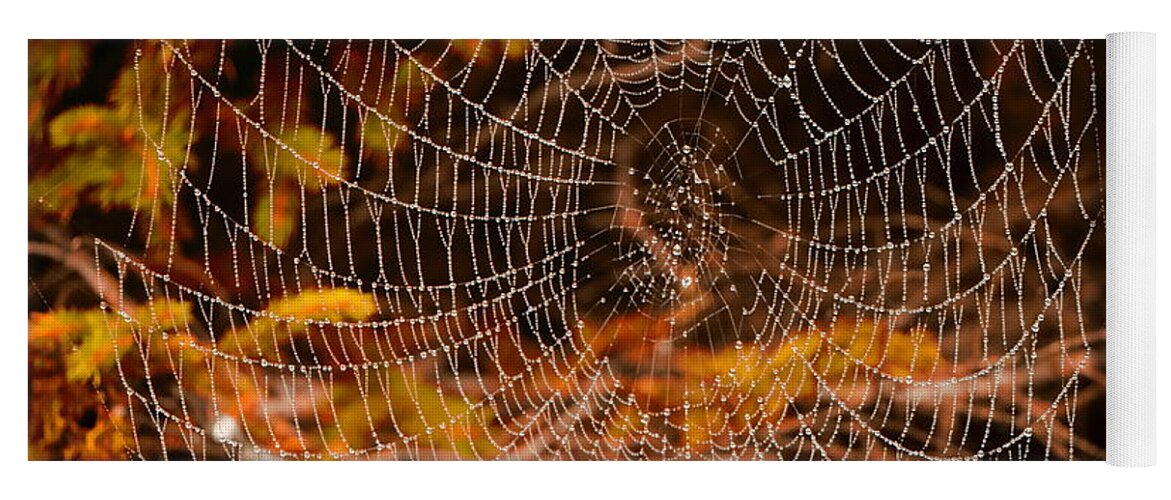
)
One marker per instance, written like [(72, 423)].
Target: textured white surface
[(1130, 212)]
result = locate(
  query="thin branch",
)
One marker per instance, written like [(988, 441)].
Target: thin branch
[(83, 264)]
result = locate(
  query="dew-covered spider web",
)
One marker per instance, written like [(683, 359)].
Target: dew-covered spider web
[(600, 250)]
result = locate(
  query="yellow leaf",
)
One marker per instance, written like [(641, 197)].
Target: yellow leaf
[(915, 351), (333, 304), (305, 154), (265, 335), (515, 49), (97, 338)]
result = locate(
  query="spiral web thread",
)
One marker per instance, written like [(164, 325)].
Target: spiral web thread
[(621, 250)]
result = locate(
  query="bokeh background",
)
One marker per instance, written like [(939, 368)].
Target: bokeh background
[(694, 250)]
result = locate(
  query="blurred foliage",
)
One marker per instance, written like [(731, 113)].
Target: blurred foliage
[(70, 353), (119, 153), (749, 385), (122, 153), (321, 163), (53, 67), (105, 163), (111, 136), (96, 338)]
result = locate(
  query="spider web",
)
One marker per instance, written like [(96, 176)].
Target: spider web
[(619, 250)]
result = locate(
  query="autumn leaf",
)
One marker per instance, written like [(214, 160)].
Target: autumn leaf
[(106, 163), (277, 213), (53, 67), (910, 352), (285, 319), (305, 154), (96, 338), (381, 138), (515, 49)]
